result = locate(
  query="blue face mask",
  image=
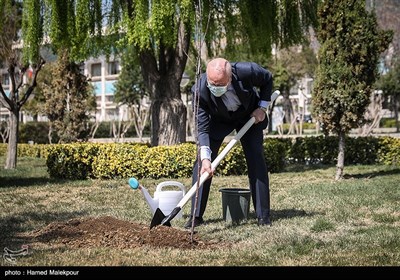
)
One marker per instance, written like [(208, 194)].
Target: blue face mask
[(217, 91)]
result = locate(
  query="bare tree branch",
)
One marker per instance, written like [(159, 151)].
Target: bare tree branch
[(36, 70)]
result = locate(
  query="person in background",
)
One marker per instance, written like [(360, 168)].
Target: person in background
[(229, 94)]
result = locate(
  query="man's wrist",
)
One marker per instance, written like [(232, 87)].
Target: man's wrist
[(263, 109), (205, 153)]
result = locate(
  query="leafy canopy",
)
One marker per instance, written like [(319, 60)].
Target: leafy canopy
[(351, 43)]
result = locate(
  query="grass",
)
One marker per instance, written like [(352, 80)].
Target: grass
[(316, 221)]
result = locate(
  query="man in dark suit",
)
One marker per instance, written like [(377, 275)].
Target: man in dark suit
[(228, 95)]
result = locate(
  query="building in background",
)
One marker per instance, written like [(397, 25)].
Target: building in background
[(103, 74)]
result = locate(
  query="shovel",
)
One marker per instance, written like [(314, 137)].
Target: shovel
[(160, 219)]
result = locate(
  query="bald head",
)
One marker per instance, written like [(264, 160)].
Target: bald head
[(219, 72)]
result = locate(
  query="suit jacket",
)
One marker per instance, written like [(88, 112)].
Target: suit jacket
[(251, 83)]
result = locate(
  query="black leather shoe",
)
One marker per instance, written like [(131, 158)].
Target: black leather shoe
[(197, 221), (264, 222)]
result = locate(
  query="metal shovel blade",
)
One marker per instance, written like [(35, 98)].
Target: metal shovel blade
[(158, 218), (168, 218)]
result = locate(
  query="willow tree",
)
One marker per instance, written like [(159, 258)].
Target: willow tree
[(67, 26), (21, 85), (162, 32), (351, 43)]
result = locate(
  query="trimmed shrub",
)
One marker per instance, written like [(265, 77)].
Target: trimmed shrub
[(123, 160), (72, 161), (120, 160), (389, 151), (170, 161)]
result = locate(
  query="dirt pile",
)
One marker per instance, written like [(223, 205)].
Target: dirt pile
[(108, 231)]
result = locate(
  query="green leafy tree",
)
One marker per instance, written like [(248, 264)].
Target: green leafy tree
[(73, 26), (69, 99), (162, 31), (35, 105), (22, 75), (11, 15), (351, 43), (72, 29)]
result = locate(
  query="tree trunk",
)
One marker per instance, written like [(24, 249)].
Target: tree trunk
[(168, 122), (396, 113), (162, 75), (14, 102), (287, 107), (168, 112), (340, 160), (11, 161), (50, 132)]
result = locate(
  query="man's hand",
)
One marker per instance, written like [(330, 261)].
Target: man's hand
[(259, 115), (206, 167)]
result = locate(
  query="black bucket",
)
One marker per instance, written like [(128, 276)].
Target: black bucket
[(235, 204)]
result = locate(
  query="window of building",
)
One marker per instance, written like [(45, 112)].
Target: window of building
[(5, 119), (96, 70), (110, 98), (110, 89), (5, 79), (113, 68), (97, 88)]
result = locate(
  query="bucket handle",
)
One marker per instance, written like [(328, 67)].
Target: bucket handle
[(170, 183)]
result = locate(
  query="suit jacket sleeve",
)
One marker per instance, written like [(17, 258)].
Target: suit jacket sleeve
[(203, 114), (258, 77)]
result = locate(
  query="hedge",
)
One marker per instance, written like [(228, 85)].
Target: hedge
[(124, 160)]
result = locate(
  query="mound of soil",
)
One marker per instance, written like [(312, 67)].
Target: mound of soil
[(108, 231)]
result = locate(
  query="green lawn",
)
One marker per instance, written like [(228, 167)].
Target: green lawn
[(316, 221)]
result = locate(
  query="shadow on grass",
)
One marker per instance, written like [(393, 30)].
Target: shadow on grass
[(301, 167), (372, 174), (275, 216), (7, 182), (289, 214), (10, 226)]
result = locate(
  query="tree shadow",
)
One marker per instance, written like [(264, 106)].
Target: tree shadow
[(289, 214), (8, 182), (285, 214), (10, 226), (301, 167), (276, 215), (372, 174)]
